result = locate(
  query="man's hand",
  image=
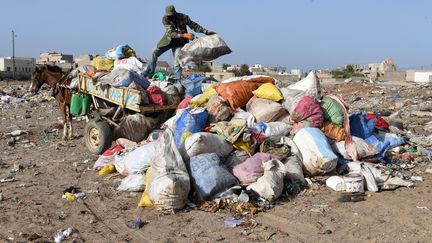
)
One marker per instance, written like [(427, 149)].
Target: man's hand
[(209, 32), (188, 36)]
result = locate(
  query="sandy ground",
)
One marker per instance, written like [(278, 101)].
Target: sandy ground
[(33, 209)]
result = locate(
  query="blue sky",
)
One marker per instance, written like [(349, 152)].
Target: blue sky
[(308, 34)]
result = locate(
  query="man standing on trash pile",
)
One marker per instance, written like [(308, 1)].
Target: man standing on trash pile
[(175, 37)]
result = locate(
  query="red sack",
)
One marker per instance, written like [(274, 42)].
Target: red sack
[(184, 103), (238, 93), (380, 122), (155, 95), (308, 113)]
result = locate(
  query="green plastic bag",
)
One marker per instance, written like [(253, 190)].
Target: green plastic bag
[(160, 76), (332, 110), (79, 104)]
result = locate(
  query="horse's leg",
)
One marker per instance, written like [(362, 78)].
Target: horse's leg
[(65, 119), (69, 117)]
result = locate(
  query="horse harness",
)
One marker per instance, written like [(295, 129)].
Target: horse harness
[(59, 85)]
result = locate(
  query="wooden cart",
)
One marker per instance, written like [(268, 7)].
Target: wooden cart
[(108, 106)]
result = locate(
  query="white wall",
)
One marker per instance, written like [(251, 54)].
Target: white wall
[(24, 65), (422, 77)]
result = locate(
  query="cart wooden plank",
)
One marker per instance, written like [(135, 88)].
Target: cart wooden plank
[(125, 97)]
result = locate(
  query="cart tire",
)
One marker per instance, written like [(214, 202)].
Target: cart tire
[(97, 136)]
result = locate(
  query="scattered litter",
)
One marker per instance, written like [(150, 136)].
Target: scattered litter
[(7, 179), (232, 223), (417, 178), (137, 224), (319, 208), (423, 207), (62, 235)]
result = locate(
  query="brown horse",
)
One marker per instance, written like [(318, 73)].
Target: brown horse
[(55, 78)]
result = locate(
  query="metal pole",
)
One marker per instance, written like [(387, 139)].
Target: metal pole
[(13, 53)]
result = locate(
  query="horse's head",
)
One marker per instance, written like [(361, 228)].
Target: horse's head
[(37, 80)]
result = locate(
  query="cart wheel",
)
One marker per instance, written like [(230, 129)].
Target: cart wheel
[(97, 136)]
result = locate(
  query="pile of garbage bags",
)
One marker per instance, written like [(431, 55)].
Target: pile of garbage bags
[(249, 135)]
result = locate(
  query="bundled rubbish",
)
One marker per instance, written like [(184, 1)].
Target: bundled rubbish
[(123, 78), (207, 48), (119, 52), (270, 185), (209, 176), (131, 64), (246, 138), (102, 63), (168, 185), (190, 121)]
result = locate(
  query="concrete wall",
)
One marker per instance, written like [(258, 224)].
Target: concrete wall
[(18, 75), (220, 76), (394, 76), (22, 64)]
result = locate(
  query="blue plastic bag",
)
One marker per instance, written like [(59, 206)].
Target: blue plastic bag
[(381, 147), (391, 138), (192, 84), (210, 176), (190, 121), (360, 126)]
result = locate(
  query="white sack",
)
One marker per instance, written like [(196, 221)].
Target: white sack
[(318, 157), (169, 184), (276, 130), (203, 143), (133, 183), (310, 85), (139, 160), (270, 185), (241, 114), (206, 48)]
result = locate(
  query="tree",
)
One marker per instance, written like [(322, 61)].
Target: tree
[(349, 69), (225, 66), (201, 67), (243, 71), (345, 73)]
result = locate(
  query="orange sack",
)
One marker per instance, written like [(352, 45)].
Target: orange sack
[(238, 93), (333, 131)]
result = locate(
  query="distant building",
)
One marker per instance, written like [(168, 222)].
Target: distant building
[(83, 60), (387, 65), (64, 61), (233, 67), (297, 72), (163, 66), (54, 57), (257, 68), (215, 66), (220, 76), (24, 66)]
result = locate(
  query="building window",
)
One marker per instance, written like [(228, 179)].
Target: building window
[(8, 69), (15, 69)]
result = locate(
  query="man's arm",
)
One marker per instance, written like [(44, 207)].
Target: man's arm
[(170, 30), (196, 27)]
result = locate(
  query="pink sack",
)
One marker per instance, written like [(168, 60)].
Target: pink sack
[(184, 103), (249, 171), (308, 113), (155, 95)]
